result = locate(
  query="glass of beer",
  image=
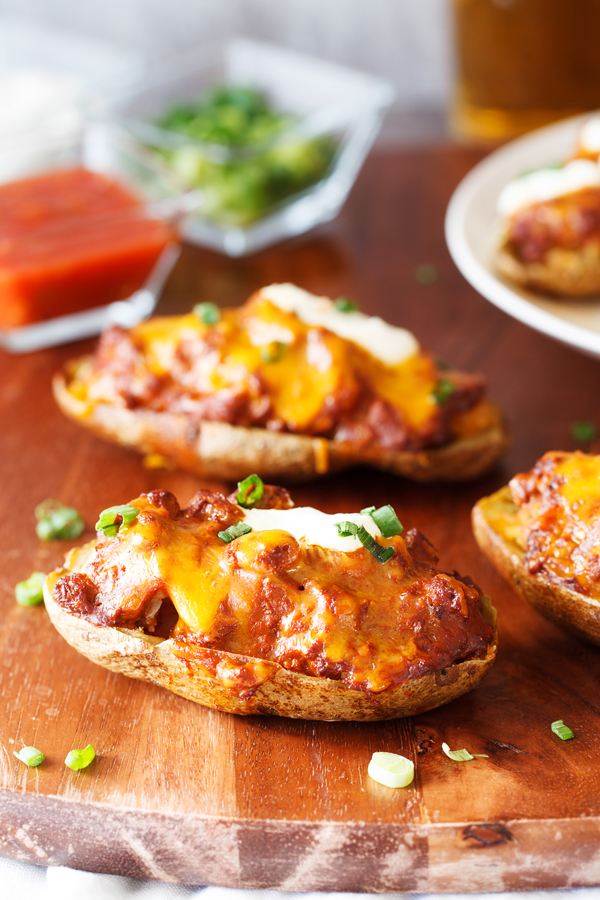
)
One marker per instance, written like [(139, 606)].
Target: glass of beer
[(522, 64)]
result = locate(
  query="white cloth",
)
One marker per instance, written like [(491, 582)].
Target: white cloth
[(21, 881)]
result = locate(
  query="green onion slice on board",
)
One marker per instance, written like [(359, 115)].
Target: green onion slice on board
[(561, 730), (30, 756), (31, 591), (391, 769), (461, 755), (80, 759)]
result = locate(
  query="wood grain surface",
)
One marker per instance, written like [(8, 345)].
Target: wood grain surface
[(182, 793)]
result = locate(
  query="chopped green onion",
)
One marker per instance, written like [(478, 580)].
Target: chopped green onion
[(351, 529), (443, 390), (346, 529), (391, 769), (461, 755), (583, 431), (56, 521), (272, 352), (387, 521), (381, 554), (114, 517), (367, 510), (30, 756), (234, 531), (345, 305), (425, 274), (250, 491), (561, 730), (208, 313), (80, 759), (31, 591)]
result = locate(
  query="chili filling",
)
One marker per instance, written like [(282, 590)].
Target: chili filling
[(559, 519), (260, 366), (569, 222), (273, 598)]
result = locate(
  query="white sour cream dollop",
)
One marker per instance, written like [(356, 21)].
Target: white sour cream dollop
[(546, 184), (387, 343), (311, 525), (589, 136)]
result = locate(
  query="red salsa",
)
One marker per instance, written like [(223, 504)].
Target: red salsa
[(71, 240)]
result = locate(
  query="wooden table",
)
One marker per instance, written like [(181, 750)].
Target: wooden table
[(183, 793)]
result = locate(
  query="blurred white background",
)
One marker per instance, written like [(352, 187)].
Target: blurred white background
[(406, 41)]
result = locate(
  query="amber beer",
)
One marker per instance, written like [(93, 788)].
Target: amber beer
[(522, 64)]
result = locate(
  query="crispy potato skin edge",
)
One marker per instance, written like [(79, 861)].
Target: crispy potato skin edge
[(567, 273), (229, 452), (563, 606), (286, 693)]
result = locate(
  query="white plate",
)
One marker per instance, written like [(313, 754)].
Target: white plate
[(471, 223)]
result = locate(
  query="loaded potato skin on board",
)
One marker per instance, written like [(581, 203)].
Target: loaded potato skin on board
[(271, 609), (541, 532), (289, 385)]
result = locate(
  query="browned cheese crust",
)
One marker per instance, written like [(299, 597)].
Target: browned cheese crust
[(570, 609), (260, 622), (285, 693), (224, 451)]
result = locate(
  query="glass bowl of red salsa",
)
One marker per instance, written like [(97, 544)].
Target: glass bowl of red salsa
[(85, 244)]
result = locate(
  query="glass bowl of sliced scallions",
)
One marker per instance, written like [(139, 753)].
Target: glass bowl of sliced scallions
[(269, 140)]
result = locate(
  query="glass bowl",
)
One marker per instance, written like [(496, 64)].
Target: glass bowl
[(115, 255), (284, 184)]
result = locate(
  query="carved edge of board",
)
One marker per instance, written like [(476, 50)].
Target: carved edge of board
[(300, 856)]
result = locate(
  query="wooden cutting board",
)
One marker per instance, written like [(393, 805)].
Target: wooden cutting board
[(182, 793)]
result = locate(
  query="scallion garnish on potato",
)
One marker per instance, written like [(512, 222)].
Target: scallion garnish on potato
[(114, 517), (387, 521), (351, 529), (561, 730), (57, 522), (250, 491), (234, 531), (381, 554), (31, 591), (207, 313), (30, 756), (272, 352), (346, 529), (80, 759), (345, 305), (443, 390)]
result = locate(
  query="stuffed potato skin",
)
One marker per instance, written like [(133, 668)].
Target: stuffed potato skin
[(494, 519), (223, 451), (554, 246), (270, 623), (285, 693)]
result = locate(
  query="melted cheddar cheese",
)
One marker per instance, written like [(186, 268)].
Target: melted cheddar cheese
[(269, 596), (264, 365), (559, 519)]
